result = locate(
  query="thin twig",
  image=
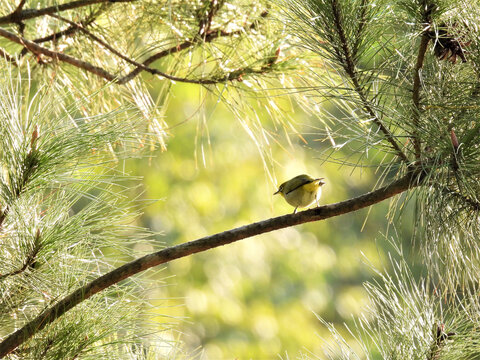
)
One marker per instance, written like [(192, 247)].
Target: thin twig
[(440, 338), (101, 72), (422, 49), (62, 33), (37, 49), (127, 59), (349, 67), (135, 63), (11, 342), (212, 35), (427, 9), (16, 17), (475, 205), (95, 38), (20, 6), (29, 261)]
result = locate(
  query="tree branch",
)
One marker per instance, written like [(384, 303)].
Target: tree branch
[(37, 49), (20, 6), (66, 32), (427, 9), (440, 338), (29, 261), (473, 204), (416, 93), (349, 67), (123, 80), (19, 16), (10, 343), (95, 38), (96, 70), (209, 37)]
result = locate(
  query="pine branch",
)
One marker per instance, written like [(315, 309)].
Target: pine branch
[(439, 342), (29, 166), (63, 33), (20, 6), (37, 49), (29, 261), (19, 16), (101, 72), (95, 38), (11, 342), (416, 93), (209, 37), (473, 204), (422, 50), (235, 75), (349, 67)]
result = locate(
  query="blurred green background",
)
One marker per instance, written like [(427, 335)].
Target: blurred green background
[(260, 297)]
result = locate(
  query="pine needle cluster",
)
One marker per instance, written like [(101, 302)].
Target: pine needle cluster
[(405, 77), (62, 208)]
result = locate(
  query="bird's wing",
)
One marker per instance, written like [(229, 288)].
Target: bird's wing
[(306, 181)]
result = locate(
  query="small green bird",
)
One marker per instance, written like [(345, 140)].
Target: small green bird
[(301, 191)]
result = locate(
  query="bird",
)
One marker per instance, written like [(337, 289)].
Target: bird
[(301, 191)]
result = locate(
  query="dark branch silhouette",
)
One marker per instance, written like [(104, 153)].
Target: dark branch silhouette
[(20, 6), (209, 36), (22, 15), (350, 69), (37, 49), (422, 50), (440, 339), (29, 262), (64, 33)]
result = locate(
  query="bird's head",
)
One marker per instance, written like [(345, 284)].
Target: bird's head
[(280, 190)]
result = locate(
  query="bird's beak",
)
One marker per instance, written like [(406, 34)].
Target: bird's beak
[(276, 192), (320, 182)]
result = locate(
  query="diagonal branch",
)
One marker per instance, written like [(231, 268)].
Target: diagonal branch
[(140, 66), (101, 72), (37, 49), (349, 67), (29, 262), (66, 32), (20, 6), (19, 16), (209, 37), (10, 343), (95, 38), (473, 204)]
